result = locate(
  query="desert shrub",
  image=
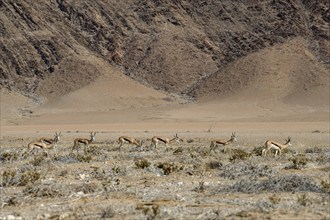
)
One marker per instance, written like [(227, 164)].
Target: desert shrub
[(46, 190), (86, 188), (288, 151), (303, 200), (326, 186), (8, 178), (10, 201), (142, 163), (179, 150), (151, 210), (258, 150), (63, 173), (93, 150), (84, 158), (189, 141), (298, 161), (238, 154), (107, 212), (67, 159), (167, 167), (37, 160), (14, 178), (213, 165), (314, 150), (274, 199), (29, 176), (232, 171), (286, 183), (201, 187), (101, 174), (9, 156)]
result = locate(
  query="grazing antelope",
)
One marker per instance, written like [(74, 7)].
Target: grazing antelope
[(215, 143), (86, 142), (44, 143), (129, 140), (275, 145), (155, 140)]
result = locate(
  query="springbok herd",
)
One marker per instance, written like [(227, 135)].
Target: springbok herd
[(48, 143)]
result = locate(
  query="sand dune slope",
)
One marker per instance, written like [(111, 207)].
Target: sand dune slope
[(283, 78)]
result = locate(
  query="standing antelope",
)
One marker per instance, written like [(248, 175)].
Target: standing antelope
[(275, 145), (129, 140), (49, 140), (165, 141), (215, 143), (44, 143), (86, 142)]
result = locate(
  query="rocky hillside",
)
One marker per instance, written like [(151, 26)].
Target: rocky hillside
[(48, 48)]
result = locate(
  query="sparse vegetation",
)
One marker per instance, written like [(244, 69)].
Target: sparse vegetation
[(108, 212), (91, 186), (9, 156), (303, 200), (214, 165), (257, 151), (167, 167), (299, 161), (285, 183), (326, 185), (143, 163), (274, 199), (84, 158), (38, 159), (201, 187), (8, 178), (238, 154), (245, 168)]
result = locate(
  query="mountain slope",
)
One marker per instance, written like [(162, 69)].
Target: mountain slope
[(169, 45)]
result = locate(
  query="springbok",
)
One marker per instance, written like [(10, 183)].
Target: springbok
[(217, 142), (86, 142), (155, 140), (275, 145), (44, 143), (129, 140)]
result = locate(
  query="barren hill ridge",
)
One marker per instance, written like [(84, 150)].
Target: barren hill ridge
[(198, 48)]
